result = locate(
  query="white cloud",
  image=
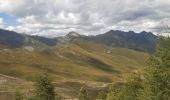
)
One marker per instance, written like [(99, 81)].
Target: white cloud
[(11, 28), (10, 6), (57, 17), (1, 23)]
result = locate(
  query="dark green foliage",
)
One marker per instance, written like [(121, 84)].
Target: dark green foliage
[(130, 90), (157, 82), (83, 94), (114, 93), (44, 88), (102, 95), (18, 95)]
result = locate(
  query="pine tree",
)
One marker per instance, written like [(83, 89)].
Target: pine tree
[(18, 95), (44, 88), (114, 93), (157, 82), (83, 94), (130, 90), (101, 95)]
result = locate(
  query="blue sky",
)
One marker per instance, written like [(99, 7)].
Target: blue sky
[(8, 20)]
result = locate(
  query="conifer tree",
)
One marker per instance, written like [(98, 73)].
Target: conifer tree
[(83, 94), (101, 95), (130, 90), (44, 88), (18, 95)]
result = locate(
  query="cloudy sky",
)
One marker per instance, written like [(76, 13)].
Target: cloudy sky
[(58, 17)]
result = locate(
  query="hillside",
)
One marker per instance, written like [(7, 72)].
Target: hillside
[(72, 61), (72, 65), (11, 39)]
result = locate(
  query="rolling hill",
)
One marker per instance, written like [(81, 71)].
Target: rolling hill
[(69, 60), (72, 61), (80, 63)]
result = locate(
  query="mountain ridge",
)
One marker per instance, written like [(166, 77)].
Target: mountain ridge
[(143, 41)]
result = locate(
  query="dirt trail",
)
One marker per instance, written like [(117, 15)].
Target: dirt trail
[(10, 77)]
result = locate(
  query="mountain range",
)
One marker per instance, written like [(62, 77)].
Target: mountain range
[(144, 41)]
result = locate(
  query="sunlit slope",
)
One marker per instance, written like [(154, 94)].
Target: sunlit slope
[(79, 60)]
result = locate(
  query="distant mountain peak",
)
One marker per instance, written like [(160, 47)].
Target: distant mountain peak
[(131, 32), (73, 34), (143, 41), (147, 34), (111, 31)]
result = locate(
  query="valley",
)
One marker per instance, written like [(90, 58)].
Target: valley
[(84, 50), (70, 66)]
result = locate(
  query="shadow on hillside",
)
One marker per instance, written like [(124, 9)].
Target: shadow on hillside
[(101, 65)]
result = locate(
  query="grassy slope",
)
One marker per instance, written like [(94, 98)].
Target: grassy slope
[(82, 61)]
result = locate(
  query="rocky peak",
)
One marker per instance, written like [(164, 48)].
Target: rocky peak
[(73, 34)]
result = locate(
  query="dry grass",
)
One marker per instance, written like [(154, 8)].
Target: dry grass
[(76, 64)]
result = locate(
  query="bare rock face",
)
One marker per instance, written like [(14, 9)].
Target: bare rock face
[(29, 48)]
